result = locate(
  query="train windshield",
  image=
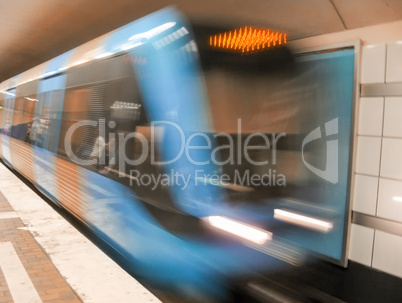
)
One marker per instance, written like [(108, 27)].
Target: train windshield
[(282, 126), (260, 114)]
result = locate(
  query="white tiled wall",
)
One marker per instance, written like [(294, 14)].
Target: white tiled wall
[(365, 194), (387, 255), (370, 116), (368, 155), (373, 63), (390, 200), (378, 168), (393, 117), (394, 62), (361, 244), (391, 158)]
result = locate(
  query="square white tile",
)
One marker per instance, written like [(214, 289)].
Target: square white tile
[(387, 255), (373, 64), (391, 158), (365, 194), (392, 117), (361, 244), (394, 62), (390, 200), (371, 116), (368, 155)]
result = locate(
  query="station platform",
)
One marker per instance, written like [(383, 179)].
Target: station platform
[(43, 258)]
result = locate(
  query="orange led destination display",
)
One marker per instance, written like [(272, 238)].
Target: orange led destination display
[(247, 39)]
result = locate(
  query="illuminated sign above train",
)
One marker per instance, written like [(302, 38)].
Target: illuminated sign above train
[(247, 39)]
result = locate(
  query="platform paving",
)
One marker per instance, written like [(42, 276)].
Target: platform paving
[(26, 271), (45, 259)]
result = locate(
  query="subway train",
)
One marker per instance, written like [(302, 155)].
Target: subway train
[(184, 157)]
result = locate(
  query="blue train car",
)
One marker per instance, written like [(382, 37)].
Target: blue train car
[(123, 133)]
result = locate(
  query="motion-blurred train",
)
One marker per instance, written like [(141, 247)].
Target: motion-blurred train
[(184, 158)]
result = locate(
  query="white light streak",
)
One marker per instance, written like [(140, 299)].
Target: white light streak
[(302, 220), (103, 55), (49, 73), (153, 32), (170, 38), (80, 62), (7, 93), (139, 39), (242, 230)]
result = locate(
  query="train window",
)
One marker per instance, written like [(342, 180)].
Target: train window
[(255, 110), (1, 111), (105, 110), (104, 123), (8, 111), (22, 122), (76, 108), (47, 119)]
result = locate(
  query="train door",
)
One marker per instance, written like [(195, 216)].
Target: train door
[(46, 129), (7, 124), (20, 146)]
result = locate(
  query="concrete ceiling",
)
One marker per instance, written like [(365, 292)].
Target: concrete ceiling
[(32, 32)]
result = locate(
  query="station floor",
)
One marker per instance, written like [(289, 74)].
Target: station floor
[(43, 258)]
